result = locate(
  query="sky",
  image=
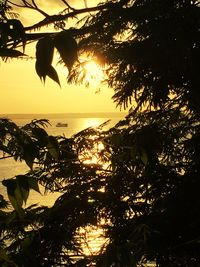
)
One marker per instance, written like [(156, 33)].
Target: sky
[(23, 92)]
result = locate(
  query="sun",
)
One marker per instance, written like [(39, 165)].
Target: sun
[(93, 73)]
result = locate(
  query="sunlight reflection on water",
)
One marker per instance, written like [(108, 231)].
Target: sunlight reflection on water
[(10, 168), (92, 237)]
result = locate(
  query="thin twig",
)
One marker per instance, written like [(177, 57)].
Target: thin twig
[(53, 18), (6, 157), (28, 5), (70, 7)]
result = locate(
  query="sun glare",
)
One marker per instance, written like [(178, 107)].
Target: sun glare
[(94, 73), (91, 122)]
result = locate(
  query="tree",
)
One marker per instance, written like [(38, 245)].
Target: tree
[(143, 190)]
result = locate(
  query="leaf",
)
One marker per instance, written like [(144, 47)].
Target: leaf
[(3, 255), (44, 57), (116, 139), (18, 196), (53, 147), (144, 156), (45, 69), (26, 242), (41, 70), (16, 205), (11, 185), (133, 152), (18, 190), (29, 159), (44, 50), (30, 153), (14, 195), (53, 74), (67, 48), (23, 186), (41, 135), (33, 184)]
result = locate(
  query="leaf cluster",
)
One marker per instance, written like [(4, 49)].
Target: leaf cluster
[(152, 49), (144, 189), (12, 33), (65, 45)]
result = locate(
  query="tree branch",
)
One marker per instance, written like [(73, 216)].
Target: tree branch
[(6, 157), (70, 7), (34, 6), (51, 19)]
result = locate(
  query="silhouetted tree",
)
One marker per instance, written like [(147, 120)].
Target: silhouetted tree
[(143, 190)]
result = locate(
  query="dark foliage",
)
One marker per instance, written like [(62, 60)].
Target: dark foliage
[(140, 190), (152, 48)]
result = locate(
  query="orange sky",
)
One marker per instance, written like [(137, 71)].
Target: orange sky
[(22, 91)]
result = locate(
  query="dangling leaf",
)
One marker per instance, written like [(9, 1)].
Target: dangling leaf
[(14, 195), (29, 159), (53, 74), (41, 70), (144, 156), (67, 48), (33, 184), (18, 191), (47, 70), (53, 147), (30, 153), (41, 135), (44, 50), (23, 184), (44, 57), (11, 185)]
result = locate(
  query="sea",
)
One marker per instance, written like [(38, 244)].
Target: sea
[(75, 123)]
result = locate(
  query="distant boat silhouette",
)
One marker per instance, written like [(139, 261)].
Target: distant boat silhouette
[(61, 124)]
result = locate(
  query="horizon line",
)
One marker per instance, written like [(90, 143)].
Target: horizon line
[(93, 112), (63, 115)]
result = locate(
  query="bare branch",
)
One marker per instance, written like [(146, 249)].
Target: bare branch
[(14, 4), (53, 18), (26, 3), (70, 7), (6, 157), (85, 2), (34, 6), (33, 1)]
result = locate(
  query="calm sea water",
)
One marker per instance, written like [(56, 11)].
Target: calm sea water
[(76, 122)]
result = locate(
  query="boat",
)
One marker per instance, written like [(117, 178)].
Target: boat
[(61, 124)]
